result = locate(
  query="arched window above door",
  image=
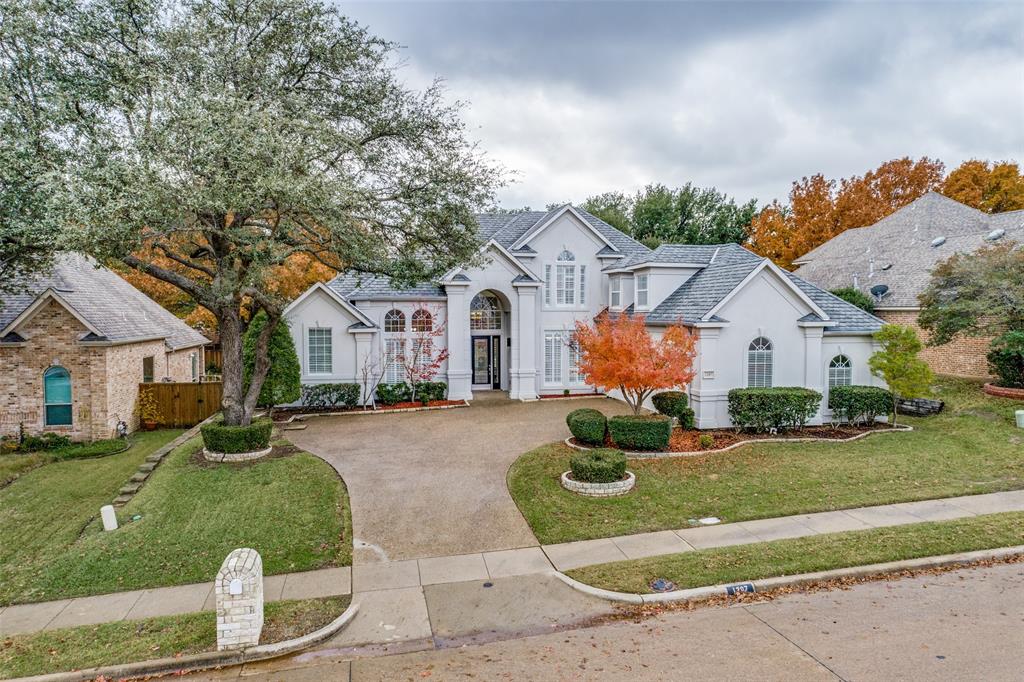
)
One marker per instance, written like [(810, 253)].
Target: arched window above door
[(484, 312)]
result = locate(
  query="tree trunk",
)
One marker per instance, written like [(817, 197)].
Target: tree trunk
[(229, 323)]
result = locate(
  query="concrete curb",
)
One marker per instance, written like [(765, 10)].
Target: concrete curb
[(205, 660), (306, 415), (764, 584), (633, 454)]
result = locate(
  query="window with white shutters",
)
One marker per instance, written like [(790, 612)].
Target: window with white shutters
[(395, 350), (566, 280), (575, 377), (583, 284), (553, 357), (319, 350), (547, 285), (759, 363)]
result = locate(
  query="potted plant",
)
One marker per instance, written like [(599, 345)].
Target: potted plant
[(149, 413)]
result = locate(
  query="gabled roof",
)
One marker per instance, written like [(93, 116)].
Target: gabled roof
[(362, 321), (509, 228), (357, 286), (107, 305), (670, 254), (897, 251)]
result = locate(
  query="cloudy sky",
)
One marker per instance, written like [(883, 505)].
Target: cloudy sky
[(581, 98)]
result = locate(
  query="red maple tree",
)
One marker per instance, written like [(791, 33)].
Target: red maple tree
[(621, 354)]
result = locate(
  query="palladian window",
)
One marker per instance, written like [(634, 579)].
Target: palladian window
[(840, 371), (759, 363), (484, 312)]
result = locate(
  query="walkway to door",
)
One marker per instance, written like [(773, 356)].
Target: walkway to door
[(426, 484)]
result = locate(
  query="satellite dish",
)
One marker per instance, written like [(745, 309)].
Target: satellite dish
[(879, 290)]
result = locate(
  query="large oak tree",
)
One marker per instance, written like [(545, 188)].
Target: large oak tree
[(207, 143)]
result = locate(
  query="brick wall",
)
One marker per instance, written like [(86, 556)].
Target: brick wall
[(124, 374), (963, 356)]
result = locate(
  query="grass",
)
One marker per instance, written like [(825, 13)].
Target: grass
[(130, 641), (972, 447), (293, 509), (14, 464), (806, 555)]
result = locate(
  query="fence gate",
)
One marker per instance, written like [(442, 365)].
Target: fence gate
[(185, 404)]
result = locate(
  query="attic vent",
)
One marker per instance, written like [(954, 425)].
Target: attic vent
[(879, 290), (994, 235), (885, 266), (938, 241)]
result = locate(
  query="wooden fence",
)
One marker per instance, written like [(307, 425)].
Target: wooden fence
[(185, 404), (214, 357)]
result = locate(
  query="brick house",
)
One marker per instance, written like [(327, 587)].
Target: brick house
[(74, 345), (899, 252)]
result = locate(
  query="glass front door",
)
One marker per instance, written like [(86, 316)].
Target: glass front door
[(487, 361)]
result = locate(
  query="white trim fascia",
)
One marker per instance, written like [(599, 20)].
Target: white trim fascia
[(446, 280), (568, 208), (533, 284), (643, 266), (765, 263), (38, 303), (814, 324), (320, 286)]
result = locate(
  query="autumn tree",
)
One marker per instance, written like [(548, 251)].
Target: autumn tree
[(819, 208), (228, 137), (622, 354), (907, 375), (990, 187), (422, 358)]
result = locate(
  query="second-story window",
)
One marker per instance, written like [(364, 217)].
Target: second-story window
[(641, 291), (565, 279), (615, 286)]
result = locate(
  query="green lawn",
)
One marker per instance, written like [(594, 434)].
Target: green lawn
[(292, 509), (15, 464), (972, 447), (130, 641), (807, 555)]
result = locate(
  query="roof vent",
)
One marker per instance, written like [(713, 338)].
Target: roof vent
[(879, 290), (885, 266), (938, 241), (994, 235)]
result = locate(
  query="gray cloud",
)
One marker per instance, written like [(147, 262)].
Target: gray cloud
[(581, 98)]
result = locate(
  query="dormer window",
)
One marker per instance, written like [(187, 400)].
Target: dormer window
[(641, 291)]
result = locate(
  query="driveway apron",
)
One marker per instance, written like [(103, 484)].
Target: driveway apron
[(432, 483)]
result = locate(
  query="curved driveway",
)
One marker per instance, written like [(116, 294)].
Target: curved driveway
[(432, 483)]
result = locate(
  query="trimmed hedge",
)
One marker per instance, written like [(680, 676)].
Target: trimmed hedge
[(641, 431), (859, 404), (674, 404), (391, 394), (218, 437), (587, 425), (330, 395), (598, 466), (1006, 359), (763, 409), (427, 391)]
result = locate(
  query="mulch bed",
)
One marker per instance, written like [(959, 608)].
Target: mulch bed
[(552, 396), (282, 413), (683, 440)]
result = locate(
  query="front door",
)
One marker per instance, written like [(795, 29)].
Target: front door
[(486, 360)]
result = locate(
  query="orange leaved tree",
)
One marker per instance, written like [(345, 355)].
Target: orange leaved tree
[(620, 353)]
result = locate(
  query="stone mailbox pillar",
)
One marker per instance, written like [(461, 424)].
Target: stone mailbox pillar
[(239, 593)]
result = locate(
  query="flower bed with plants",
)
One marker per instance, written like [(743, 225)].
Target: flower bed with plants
[(598, 473), (344, 398)]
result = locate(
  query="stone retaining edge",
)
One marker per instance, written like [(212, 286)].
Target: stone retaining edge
[(235, 457), (205, 660), (1004, 391), (306, 415), (634, 454), (763, 584)]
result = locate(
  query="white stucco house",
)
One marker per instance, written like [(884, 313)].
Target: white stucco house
[(507, 321)]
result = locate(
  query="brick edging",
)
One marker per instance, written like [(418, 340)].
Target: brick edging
[(612, 489), (634, 454), (1004, 391), (205, 660)]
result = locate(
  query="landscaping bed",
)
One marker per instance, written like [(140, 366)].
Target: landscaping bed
[(740, 563), (689, 440), (292, 507), (123, 641), (972, 447), (283, 414)]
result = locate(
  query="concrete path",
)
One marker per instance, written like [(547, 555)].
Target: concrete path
[(958, 625), (426, 484), (394, 596)]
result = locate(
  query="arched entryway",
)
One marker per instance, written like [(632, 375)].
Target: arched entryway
[(489, 324)]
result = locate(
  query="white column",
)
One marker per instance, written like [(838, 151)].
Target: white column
[(813, 371), (459, 375), (526, 340), (704, 398), (365, 339)]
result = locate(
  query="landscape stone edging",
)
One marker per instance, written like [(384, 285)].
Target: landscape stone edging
[(640, 454), (307, 415), (205, 660), (762, 584), (612, 489), (127, 492), (229, 457), (1003, 391)]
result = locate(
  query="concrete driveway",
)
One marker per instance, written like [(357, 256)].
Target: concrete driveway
[(432, 483)]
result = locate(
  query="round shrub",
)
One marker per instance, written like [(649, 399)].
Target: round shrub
[(598, 466), (674, 404), (219, 437), (641, 431), (858, 404), (1006, 359), (587, 425)]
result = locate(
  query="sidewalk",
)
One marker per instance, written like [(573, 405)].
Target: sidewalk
[(405, 579)]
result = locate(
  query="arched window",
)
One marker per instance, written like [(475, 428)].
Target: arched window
[(422, 321), (759, 363), (840, 371), (57, 396), (394, 321), (484, 312)]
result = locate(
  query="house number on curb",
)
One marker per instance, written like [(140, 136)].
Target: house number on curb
[(741, 588)]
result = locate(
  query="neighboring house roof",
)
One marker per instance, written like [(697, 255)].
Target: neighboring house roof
[(111, 308), (728, 266), (897, 251)]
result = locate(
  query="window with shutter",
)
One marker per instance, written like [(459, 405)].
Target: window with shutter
[(319, 356), (759, 363), (583, 285), (553, 357), (395, 350), (547, 285)]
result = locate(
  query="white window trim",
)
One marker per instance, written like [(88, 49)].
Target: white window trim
[(746, 363), (565, 284), (646, 290), (309, 351), (398, 367), (565, 362), (615, 292)]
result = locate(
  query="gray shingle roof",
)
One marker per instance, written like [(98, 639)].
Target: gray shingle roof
[(362, 287), (902, 241), (116, 309)]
